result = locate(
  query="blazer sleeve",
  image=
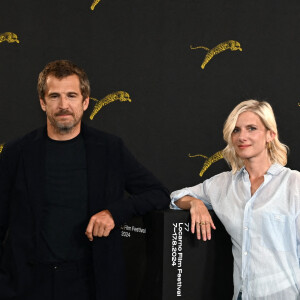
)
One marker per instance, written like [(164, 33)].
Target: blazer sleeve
[(146, 193), (6, 168)]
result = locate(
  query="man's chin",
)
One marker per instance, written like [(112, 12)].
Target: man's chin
[(64, 128)]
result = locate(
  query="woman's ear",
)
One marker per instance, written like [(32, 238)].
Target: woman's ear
[(271, 135)]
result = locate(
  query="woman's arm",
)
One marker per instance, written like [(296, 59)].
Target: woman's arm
[(200, 217), (298, 236)]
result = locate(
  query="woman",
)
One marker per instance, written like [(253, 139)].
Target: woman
[(258, 202)]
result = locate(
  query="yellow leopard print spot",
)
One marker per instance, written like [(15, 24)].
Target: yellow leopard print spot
[(1, 147), (9, 37), (116, 96), (94, 4), (231, 44), (209, 160)]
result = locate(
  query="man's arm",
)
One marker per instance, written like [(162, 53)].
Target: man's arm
[(146, 194), (5, 187)]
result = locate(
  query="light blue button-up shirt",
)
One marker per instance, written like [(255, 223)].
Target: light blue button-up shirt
[(264, 229)]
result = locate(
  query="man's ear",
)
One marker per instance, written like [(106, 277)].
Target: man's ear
[(86, 102), (43, 104)]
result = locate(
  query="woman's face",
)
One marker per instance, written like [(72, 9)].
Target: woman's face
[(250, 137)]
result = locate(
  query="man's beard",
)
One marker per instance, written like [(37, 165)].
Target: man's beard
[(64, 127)]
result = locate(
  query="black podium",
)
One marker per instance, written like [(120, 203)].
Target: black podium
[(165, 261)]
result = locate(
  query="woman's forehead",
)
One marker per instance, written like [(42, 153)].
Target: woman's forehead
[(247, 118)]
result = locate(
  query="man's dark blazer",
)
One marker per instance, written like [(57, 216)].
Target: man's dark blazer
[(111, 170)]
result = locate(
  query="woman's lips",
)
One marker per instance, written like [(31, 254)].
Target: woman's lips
[(243, 146)]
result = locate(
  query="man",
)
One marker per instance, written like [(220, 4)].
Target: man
[(62, 200)]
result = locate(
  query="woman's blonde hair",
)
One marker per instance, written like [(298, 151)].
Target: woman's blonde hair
[(277, 151)]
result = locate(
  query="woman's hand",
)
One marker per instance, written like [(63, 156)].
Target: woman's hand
[(201, 221)]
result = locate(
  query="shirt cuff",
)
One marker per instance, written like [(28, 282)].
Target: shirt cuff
[(177, 195)]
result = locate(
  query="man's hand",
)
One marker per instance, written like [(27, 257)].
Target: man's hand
[(100, 225)]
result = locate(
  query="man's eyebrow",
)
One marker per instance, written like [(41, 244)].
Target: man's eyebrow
[(53, 93)]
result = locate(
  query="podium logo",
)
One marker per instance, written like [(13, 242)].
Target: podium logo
[(116, 96), (209, 160), (231, 45), (9, 37), (94, 4), (187, 227)]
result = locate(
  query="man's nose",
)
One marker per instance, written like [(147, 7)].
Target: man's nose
[(64, 102)]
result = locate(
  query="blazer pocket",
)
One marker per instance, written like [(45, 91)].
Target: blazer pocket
[(6, 290), (277, 232)]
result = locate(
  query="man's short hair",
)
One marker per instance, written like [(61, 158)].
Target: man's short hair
[(61, 69)]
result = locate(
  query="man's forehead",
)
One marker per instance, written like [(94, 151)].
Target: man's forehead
[(66, 83)]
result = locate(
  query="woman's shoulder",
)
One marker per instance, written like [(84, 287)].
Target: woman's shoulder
[(290, 177), (221, 177), (294, 176), (291, 172)]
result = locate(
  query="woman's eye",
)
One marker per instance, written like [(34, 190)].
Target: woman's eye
[(252, 128), (235, 130)]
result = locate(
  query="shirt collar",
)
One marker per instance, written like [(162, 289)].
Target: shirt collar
[(240, 172), (274, 170)]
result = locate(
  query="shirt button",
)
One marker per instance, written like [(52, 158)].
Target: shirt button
[(245, 252), (246, 228)]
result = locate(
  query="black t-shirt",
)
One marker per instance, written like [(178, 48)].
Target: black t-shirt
[(65, 209)]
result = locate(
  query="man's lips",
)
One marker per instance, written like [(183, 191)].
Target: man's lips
[(63, 114)]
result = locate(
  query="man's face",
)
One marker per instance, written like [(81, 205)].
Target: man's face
[(64, 104)]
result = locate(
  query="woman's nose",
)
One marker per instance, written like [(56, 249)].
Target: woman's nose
[(242, 135)]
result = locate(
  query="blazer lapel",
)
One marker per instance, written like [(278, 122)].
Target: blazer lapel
[(34, 154), (96, 154)]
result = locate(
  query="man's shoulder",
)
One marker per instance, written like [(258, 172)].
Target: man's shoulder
[(28, 138), (99, 135)]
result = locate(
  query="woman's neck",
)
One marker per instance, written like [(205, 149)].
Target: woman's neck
[(257, 168)]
